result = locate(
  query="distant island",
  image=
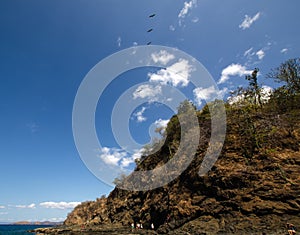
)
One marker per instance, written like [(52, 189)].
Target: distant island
[(37, 223)]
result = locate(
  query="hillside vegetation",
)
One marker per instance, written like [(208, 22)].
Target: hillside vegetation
[(253, 187)]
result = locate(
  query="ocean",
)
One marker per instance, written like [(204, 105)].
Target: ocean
[(6, 229)]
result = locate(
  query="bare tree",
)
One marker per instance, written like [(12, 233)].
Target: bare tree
[(288, 73)]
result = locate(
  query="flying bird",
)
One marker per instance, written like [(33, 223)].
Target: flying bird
[(149, 43), (151, 16), (150, 30)]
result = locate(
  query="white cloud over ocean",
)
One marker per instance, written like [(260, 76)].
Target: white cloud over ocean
[(30, 206), (59, 205)]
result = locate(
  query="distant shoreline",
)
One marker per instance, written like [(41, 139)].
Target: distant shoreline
[(47, 223)]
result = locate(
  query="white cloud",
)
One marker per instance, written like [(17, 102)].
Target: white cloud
[(249, 52), (235, 99), (233, 70), (112, 156), (162, 57), (119, 157), (59, 205), (31, 206), (175, 75), (147, 91), (126, 161), (54, 219), (187, 6), (284, 51), (248, 21), (172, 28), (260, 54), (207, 94), (2, 207), (265, 93), (119, 40), (161, 123), (139, 115), (3, 213), (135, 44), (33, 127), (195, 19)]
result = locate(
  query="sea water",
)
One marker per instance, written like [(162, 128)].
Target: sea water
[(6, 229)]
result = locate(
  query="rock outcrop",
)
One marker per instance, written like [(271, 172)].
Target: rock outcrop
[(253, 188)]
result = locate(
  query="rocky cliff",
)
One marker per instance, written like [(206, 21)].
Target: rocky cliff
[(254, 186)]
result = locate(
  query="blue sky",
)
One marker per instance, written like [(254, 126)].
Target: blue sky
[(47, 48)]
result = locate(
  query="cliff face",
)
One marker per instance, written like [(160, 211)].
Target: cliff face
[(253, 186)]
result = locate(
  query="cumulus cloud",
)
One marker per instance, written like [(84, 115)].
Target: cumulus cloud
[(59, 205), (265, 94), (119, 40), (248, 21), (126, 161), (207, 94), (112, 156), (162, 57), (284, 51), (2, 207), (175, 75), (161, 123), (260, 54), (139, 115), (233, 70), (187, 6), (119, 157), (147, 91), (31, 206)]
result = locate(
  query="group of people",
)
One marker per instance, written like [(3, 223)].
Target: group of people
[(140, 226), (291, 229)]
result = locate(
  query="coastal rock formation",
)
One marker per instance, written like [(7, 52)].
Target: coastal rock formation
[(254, 186)]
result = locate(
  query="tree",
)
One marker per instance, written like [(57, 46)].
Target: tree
[(288, 73), (250, 95), (254, 90), (186, 107)]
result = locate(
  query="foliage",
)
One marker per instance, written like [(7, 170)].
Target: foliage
[(186, 107), (118, 180), (286, 97), (288, 73), (250, 95), (254, 90)]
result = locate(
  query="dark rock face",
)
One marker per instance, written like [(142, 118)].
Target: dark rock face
[(254, 186)]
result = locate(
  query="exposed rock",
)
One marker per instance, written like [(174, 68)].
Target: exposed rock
[(250, 189)]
